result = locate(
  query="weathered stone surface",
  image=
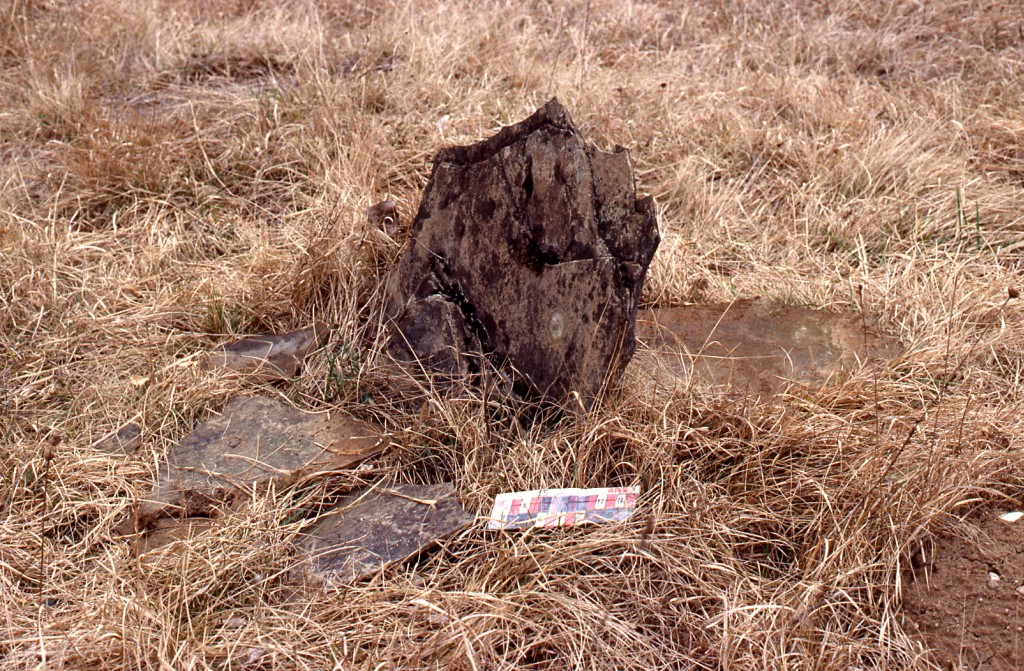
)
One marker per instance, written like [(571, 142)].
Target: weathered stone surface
[(756, 348), (531, 248), (271, 357), (384, 216), (123, 442), (254, 441), (168, 531), (376, 527)]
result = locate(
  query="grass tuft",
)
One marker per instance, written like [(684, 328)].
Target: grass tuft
[(173, 174)]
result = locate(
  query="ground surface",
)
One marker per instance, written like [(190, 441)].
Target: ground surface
[(176, 174), (971, 618)]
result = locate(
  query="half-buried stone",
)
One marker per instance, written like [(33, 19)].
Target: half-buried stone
[(269, 357), (754, 348), (529, 249)]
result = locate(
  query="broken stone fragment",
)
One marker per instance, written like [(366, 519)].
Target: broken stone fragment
[(255, 441), (167, 531), (756, 348), (123, 442), (377, 526), (529, 248), (271, 357), (383, 216)]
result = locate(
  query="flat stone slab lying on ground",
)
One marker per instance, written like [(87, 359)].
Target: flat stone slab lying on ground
[(529, 248), (756, 347), (271, 357), (379, 526), (254, 441)]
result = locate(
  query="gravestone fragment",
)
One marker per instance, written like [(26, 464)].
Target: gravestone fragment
[(529, 248), (168, 531), (255, 441), (271, 357), (756, 348), (375, 527), (123, 442)]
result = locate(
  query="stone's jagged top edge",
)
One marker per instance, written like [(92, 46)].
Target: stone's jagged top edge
[(553, 114)]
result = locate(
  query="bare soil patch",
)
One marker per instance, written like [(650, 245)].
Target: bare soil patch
[(971, 618)]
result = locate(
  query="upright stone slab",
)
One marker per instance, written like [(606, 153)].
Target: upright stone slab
[(529, 248)]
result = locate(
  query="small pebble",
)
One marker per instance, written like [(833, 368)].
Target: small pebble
[(1011, 517), (1020, 590)]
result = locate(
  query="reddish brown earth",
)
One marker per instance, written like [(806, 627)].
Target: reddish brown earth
[(970, 620)]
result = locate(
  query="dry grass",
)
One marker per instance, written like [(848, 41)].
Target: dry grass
[(174, 172)]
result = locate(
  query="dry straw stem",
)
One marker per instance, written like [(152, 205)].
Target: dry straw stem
[(176, 173)]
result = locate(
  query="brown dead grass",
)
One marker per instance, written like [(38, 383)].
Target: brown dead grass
[(171, 173)]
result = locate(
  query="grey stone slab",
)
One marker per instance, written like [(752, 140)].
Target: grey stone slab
[(376, 527), (254, 441), (123, 443), (271, 357), (755, 347)]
